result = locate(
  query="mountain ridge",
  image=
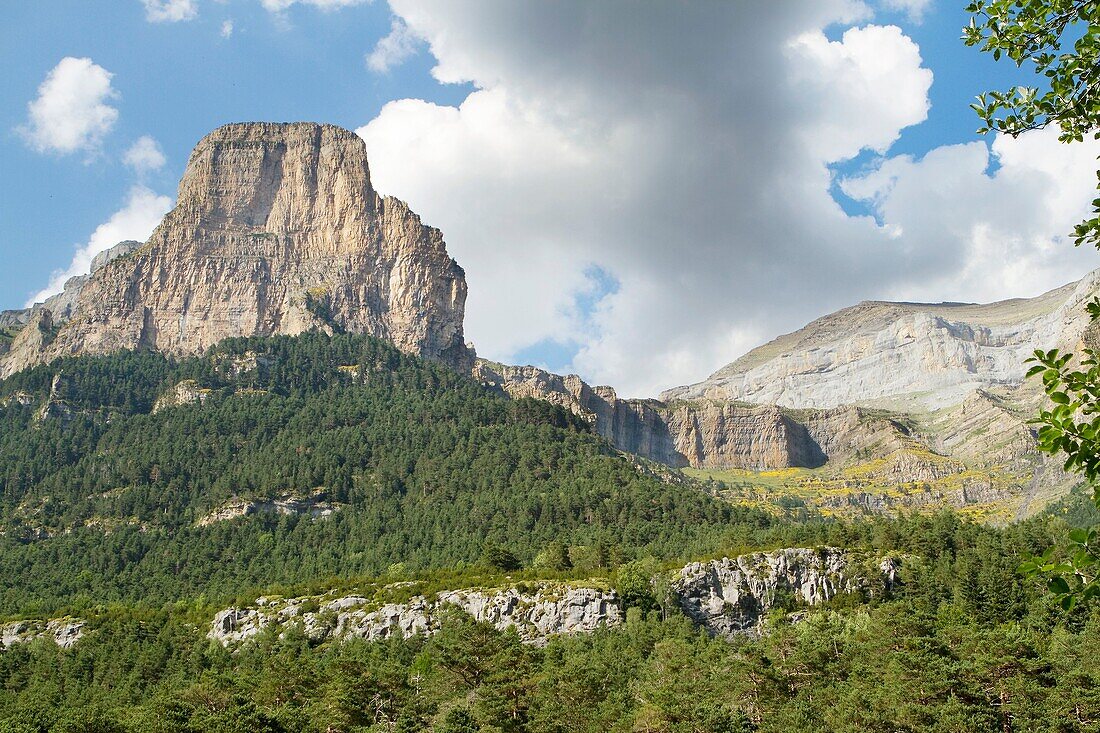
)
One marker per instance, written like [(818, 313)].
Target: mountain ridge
[(963, 441), (887, 354)]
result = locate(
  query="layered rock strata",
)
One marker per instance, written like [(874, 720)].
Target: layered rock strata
[(920, 356), (706, 433)]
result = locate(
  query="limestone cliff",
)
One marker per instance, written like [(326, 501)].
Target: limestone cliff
[(702, 433), (551, 608), (635, 426), (731, 596), (61, 305), (891, 404), (276, 230), (726, 597)]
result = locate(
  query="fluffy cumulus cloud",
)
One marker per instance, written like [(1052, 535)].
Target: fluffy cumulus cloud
[(684, 153), (72, 111), (144, 156), (169, 11), (992, 234), (136, 220), (394, 48)]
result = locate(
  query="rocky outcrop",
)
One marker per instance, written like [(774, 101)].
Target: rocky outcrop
[(32, 340), (62, 305), (65, 632), (724, 596), (635, 426), (13, 319), (706, 433), (186, 392), (56, 406), (535, 615), (316, 506), (733, 596), (277, 230), (903, 355), (984, 427)]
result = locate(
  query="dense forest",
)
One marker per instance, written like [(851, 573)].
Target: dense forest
[(112, 477), (102, 497), (964, 643)]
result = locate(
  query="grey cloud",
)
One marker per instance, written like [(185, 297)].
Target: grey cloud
[(684, 149)]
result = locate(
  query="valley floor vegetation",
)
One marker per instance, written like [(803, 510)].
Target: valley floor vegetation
[(962, 644)]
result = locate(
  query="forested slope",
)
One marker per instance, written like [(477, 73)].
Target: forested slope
[(104, 498), (122, 478)]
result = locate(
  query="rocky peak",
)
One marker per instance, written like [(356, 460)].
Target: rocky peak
[(277, 230)]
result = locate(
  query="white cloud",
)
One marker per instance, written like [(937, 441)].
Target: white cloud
[(136, 220), (144, 156), (227, 29), (278, 6), (885, 89), (394, 49), (997, 235), (914, 9), (169, 11), (696, 173), (72, 111)]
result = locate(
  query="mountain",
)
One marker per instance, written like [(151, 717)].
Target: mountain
[(907, 356), (877, 407), (276, 230), (252, 479)]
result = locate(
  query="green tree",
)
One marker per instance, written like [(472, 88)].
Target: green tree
[(1060, 40), (499, 558), (459, 720), (554, 557), (634, 583)]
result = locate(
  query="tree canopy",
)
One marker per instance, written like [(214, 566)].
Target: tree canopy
[(1060, 40)]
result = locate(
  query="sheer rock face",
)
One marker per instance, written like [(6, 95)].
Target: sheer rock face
[(908, 356), (277, 230), (914, 403), (635, 426), (700, 434)]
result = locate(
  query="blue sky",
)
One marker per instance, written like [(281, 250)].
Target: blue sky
[(594, 168), (176, 82)]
